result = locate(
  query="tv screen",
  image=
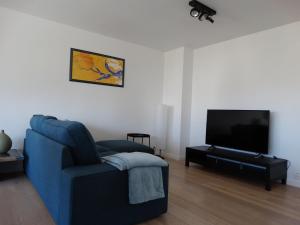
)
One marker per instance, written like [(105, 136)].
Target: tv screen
[(246, 130)]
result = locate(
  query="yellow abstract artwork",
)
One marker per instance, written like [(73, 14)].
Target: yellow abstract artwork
[(90, 67)]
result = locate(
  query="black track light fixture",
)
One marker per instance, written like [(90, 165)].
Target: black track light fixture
[(201, 11)]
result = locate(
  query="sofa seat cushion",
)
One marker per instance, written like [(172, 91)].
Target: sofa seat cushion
[(70, 133), (103, 151), (124, 146)]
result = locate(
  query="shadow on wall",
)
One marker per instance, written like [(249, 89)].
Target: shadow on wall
[(101, 134), (170, 138), (158, 136), (104, 134), (271, 131), (161, 126)]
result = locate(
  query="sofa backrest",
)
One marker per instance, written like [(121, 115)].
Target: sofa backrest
[(70, 133)]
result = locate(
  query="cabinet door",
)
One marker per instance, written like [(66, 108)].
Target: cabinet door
[(257, 172), (196, 156), (225, 165)]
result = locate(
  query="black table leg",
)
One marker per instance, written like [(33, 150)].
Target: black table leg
[(187, 161), (268, 186), (138, 135)]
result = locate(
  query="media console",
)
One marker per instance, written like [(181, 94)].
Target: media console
[(266, 168)]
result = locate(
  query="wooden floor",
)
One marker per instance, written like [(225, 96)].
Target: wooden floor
[(197, 197)]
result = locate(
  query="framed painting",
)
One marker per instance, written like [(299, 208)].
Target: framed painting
[(95, 68)]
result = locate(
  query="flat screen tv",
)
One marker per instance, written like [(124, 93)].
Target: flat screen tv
[(246, 130)]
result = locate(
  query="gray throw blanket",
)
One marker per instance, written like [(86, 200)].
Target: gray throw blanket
[(145, 176)]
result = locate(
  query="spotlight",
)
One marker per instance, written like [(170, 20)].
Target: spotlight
[(202, 16), (194, 12), (201, 11), (209, 19)]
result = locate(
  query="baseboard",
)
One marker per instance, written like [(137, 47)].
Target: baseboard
[(171, 155), (293, 182)]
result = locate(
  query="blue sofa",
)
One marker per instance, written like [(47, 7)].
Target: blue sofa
[(62, 162)]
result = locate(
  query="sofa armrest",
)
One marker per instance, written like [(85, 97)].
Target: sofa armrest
[(91, 191), (98, 194)]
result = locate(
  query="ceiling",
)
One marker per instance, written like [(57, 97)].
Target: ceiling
[(163, 24)]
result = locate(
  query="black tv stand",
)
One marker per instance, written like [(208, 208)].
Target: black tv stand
[(248, 165), (211, 148), (258, 156)]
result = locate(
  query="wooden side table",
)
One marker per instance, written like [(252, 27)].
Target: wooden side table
[(11, 162), (139, 135)]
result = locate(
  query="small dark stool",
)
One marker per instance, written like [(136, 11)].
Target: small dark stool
[(139, 135)]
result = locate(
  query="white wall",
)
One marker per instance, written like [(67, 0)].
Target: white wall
[(177, 90), (34, 61), (187, 79), (172, 96), (259, 71)]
